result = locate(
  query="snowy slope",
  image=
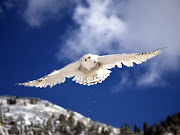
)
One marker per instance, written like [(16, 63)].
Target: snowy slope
[(36, 116), (34, 112), (32, 116)]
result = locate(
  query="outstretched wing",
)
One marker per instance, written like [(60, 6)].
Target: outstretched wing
[(57, 76), (110, 61)]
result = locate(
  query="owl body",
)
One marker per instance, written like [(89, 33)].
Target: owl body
[(91, 69)]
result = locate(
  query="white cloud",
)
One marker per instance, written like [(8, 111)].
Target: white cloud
[(38, 12), (8, 4), (152, 24), (5, 5), (127, 26), (125, 82), (98, 29)]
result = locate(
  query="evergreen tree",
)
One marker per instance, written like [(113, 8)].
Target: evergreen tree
[(91, 129), (79, 127), (33, 100), (105, 132), (71, 120), (168, 120), (122, 130), (126, 126), (1, 116), (164, 124), (159, 130), (127, 130), (136, 129), (107, 123), (62, 118), (153, 128), (11, 101), (63, 129), (145, 128)]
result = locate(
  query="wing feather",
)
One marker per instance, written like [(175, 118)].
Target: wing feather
[(56, 77), (110, 61)]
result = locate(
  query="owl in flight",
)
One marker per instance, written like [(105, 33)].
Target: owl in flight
[(91, 69)]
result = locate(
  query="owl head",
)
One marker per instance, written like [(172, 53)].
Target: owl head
[(89, 60)]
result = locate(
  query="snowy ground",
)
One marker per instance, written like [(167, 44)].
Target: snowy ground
[(37, 112)]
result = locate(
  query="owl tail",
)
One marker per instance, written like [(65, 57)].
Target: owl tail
[(91, 78)]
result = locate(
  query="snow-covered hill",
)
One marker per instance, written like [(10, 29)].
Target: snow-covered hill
[(32, 116)]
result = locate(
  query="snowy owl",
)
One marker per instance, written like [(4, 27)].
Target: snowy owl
[(91, 69)]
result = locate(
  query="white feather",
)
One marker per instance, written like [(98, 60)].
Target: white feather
[(91, 69)]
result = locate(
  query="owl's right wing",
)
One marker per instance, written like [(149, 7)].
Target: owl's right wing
[(110, 61), (57, 76)]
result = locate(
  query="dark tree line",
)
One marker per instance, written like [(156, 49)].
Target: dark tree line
[(170, 125), (127, 130)]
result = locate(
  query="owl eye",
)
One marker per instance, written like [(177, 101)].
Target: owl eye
[(85, 59), (89, 57)]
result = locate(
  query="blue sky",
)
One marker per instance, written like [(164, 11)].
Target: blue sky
[(39, 36)]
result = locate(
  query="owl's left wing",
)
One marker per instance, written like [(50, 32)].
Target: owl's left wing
[(58, 76), (110, 61)]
